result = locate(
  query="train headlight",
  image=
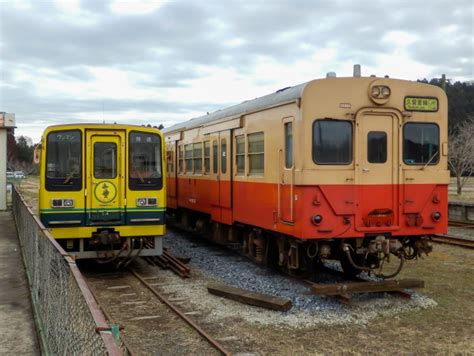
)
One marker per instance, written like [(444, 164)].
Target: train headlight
[(385, 92), (436, 216), (62, 203), (379, 94), (375, 91), (147, 202), (141, 202)]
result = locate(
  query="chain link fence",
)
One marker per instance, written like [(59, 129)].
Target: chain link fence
[(68, 318)]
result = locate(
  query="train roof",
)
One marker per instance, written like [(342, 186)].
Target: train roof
[(100, 125), (281, 96)]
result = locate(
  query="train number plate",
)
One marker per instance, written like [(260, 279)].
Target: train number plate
[(417, 103)]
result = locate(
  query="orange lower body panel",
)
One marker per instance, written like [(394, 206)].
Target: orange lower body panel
[(345, 210)]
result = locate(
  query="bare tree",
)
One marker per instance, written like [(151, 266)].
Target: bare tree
[(461, 152)]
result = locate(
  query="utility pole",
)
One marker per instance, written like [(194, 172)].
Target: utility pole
[(443, 82)]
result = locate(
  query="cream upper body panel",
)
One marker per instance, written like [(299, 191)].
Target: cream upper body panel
[(333, 98), (347, 99)]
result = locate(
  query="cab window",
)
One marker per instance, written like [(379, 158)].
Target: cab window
[(145, 171), (64, 161), (332, 142), (420, 143)]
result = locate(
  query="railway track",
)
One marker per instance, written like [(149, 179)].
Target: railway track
[(464, 224), (454, 241), (152, 322)]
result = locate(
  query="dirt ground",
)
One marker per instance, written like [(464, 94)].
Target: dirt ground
[(447, 328)]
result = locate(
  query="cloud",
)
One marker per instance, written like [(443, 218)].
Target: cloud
[(177, 58)]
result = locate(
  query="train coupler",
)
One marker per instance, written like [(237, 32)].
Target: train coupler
[(104, 237)]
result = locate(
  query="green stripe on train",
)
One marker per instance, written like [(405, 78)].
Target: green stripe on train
[(47, 211), (125, 218)]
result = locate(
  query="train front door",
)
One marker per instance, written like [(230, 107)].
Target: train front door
[(105, 177), (377, 170)]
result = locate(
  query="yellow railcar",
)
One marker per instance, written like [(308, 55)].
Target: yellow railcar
[(102, 189)]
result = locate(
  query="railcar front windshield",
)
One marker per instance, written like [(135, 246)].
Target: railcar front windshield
[(145, 172), (420, 143), (64, 160)]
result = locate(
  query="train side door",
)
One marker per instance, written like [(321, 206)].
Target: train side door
[(377, 170), (105, 177), (221, 196), (214, 191), (286, 174), (171, 172)]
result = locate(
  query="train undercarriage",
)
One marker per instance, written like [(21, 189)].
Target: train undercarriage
[(380, 255)]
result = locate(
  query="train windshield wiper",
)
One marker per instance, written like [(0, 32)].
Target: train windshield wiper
[(429, 161)]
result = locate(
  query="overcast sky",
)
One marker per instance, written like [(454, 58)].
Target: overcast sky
[(161, 62)]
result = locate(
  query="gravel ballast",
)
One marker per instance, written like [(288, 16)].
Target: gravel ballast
[(213, 262)]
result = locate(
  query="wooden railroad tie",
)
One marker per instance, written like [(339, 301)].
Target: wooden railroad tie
[(249, 297), (343, 291)]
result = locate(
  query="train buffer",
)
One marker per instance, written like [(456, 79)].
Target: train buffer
[(343, 291)]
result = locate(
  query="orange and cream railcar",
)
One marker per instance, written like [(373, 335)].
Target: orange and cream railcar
[(348, 168), (102, 189)]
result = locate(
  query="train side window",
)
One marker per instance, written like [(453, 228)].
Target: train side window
[(207, 157), (256, 153), (332, 141), (223, 156), (105, 160), (181, 159), (64, 160), (197, 158), (240, 154), (188, 157), (215, 157), (377, 147), (420, 143), (288, 145), (145, 159)]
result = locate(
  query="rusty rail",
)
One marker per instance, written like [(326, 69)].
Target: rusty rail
[(453, 241), (464, 224), (178, 312)]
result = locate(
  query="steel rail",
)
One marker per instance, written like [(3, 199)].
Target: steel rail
[(464, 224), (111, 320), (196, 327), (453, 241)]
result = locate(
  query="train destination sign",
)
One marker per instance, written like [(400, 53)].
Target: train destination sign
[(416, 103)]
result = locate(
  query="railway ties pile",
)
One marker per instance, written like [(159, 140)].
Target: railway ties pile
[(343, 291), (168, 261)]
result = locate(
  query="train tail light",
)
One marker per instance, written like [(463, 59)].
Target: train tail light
[(436, 216), (316, 219), (62, 203)]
